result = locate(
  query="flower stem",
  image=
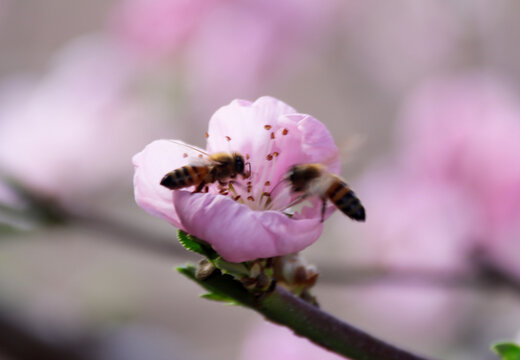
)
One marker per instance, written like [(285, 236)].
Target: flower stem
[(281, 307)]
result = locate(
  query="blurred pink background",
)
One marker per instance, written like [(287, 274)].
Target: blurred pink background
[(431, 87)]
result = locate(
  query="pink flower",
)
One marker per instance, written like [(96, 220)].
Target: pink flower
[(398, 44), (66, 135), (273, 342), (158, 27), (464, 132), (415, 225), (226, 48), (272, 136)]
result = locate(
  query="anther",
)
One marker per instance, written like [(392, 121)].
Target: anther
[(285, 131), (276, 153), (269, 157), (228, 138), (267, 127), (184, 155), (200, 156), (236, 198), (247, 156), (267, 183), (206, 134), (272, 135), (250, 198)]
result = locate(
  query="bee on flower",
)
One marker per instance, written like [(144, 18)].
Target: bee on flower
[(240, 216)]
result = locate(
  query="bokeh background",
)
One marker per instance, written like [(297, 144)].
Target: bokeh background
[(428, 90)]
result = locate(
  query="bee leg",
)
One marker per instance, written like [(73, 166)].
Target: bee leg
[(199, 187), (323, 208)]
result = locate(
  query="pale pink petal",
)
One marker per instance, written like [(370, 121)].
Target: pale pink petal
[(151, 164), (238, 233), (249, 127)]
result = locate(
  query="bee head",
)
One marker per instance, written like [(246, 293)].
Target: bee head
[(239, 163), (300, 175)]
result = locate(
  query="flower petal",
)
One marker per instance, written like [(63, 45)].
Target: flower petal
[(151, 164), (238, 233)]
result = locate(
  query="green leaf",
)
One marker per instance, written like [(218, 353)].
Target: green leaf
[(221, 297), (194, 244), (236, 269), (507, 350), (220, 284)]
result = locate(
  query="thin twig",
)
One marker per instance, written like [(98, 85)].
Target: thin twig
[(280, 306)]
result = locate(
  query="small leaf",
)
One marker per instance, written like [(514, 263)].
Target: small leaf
[(507, 350), (218, 297), (236, 269), (194, 244)]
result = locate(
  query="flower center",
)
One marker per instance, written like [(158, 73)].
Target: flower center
[(256, 191)]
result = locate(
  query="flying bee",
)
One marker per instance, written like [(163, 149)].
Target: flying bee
[(315, 179), (208, 169)]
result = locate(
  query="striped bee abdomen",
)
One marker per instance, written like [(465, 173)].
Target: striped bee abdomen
[(346, 200), (184, 177)]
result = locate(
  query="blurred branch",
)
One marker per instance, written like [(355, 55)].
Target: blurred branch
[(20, 340), (280, 306), (486, 274)]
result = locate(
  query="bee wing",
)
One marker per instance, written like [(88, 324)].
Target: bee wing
[(349, 147), (194, 156)]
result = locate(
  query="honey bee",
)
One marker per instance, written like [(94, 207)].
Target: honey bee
[(208, 169), (315, 179)]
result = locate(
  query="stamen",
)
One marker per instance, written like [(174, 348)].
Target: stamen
[(285, 131), (266, 195), (267, 127)]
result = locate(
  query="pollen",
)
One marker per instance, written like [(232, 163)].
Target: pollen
[(269, 157), (276, 153), (272, 135), (228, 138), (267, 127), (285, 132)]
